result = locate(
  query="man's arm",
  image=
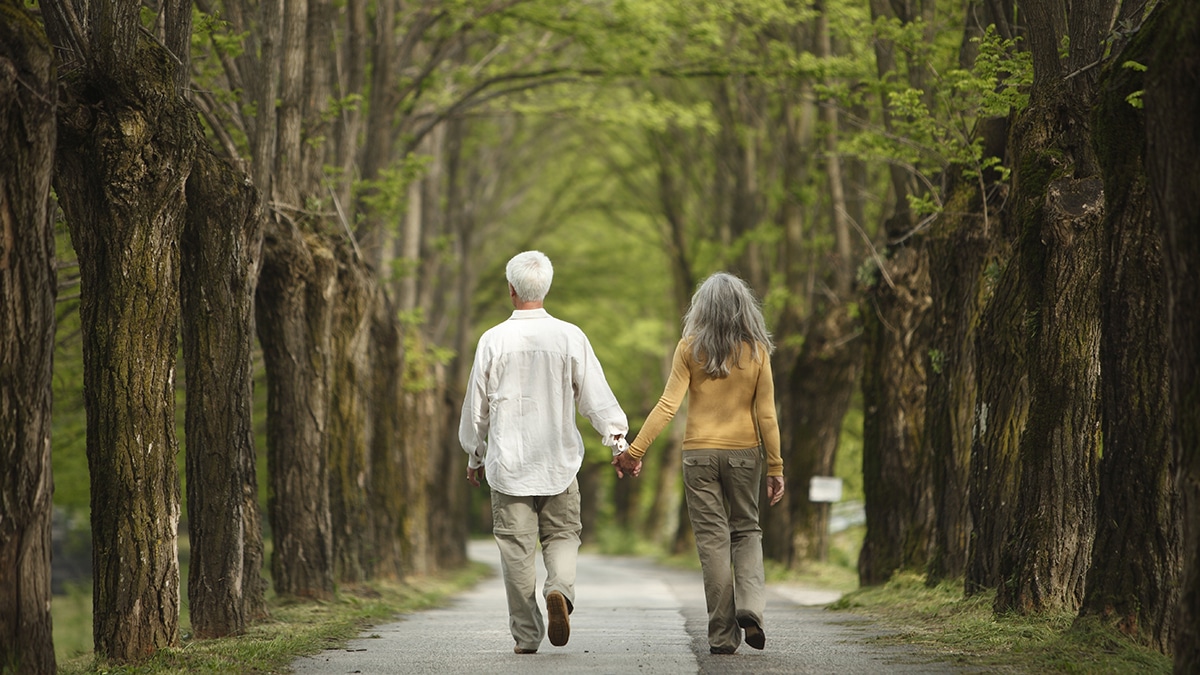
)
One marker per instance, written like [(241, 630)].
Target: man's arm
[(475, 417)]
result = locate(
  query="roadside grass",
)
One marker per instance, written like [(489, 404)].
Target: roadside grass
[(294, 629), (942, 622)]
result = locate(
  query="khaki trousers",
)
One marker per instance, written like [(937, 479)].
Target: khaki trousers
[(722, 499), (519, 524)]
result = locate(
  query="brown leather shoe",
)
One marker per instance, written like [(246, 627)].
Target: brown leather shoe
[(560, 620), (522, 650)]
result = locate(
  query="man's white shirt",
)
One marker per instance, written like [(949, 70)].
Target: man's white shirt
[(529, 376)]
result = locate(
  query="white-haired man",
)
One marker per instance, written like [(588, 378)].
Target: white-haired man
[(530, 374)]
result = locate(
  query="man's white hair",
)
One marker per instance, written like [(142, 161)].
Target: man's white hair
[(530, 274)]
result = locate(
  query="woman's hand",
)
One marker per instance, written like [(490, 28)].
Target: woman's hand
[(775, 489), (627, 464)]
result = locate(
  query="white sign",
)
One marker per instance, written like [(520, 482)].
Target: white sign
[(825, 489)]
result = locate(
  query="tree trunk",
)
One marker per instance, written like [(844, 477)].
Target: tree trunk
[(820, 387), (294, 309), (958, 246), (220, 252), (126, 142), (1058, 206), (27, 290), (1172, 103), (350, 412), (896, 480), (388, 505), (1048, 553), (1133, 580), (1001, 411)]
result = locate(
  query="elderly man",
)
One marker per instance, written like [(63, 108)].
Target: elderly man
[(530, 374)]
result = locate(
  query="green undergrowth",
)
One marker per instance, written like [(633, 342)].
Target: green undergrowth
[(965, 630), (295, 629)]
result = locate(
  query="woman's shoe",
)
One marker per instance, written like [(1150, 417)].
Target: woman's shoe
[(755, 637)]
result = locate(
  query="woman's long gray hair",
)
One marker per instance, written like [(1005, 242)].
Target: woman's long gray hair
[(724, 315)]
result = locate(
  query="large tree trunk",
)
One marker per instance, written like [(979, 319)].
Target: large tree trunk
[(388, 505), (27, 291), (958, 245), (294, 309), (1172, 102), (220, 251), (1049, 551), (896, 481), (350, 412), (1058, 209), (1001, 411), (1133, 580), (126, 142), (820, 386)]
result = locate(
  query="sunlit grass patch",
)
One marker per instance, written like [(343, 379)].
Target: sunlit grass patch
[(939, 619), (295, 628)]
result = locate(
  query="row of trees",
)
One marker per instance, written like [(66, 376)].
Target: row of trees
[(954, 208)]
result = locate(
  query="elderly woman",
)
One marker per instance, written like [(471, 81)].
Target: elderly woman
[(723, 362)]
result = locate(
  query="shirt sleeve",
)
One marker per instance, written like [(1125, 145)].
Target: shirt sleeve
[(768, 421), (475, 419), (595, 399), (668, 404)]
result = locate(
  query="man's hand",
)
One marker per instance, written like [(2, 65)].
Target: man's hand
[(627, 464), (774, 489), (474, 476)]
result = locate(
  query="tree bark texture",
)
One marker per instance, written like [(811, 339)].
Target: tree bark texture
[(1001, 412), (27, 290), (126, 142), (350, 412), (220, 252), (1136, 558), (958, 246), (1059, 209), (388, 504), (896, 478), (294, 311), (819, 389), (1172, 105)]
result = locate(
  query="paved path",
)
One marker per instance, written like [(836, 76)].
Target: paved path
[(631, 616)]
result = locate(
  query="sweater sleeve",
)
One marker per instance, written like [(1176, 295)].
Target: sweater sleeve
[(766, 417), (768, 421), (668, 404)]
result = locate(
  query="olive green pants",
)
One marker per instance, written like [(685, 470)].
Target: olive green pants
[(722, 499), (519, 524)]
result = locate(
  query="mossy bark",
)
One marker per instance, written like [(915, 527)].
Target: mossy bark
[(388, 505), (958, 246), (27, 290), (896, 473), (350, 427), (126, 143), (1133, 579), (1172, 101), (813, 401), (1001, 411), (294, 309), (220, 251), (1058, 214)]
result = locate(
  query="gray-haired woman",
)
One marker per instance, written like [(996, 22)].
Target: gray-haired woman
[(723, 364)]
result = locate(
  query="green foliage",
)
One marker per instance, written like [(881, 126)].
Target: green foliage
[(935, 131)]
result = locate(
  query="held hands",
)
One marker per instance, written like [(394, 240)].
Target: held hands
[(774, 489), (626, 464)]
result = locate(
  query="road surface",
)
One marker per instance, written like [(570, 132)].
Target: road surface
[(631, 616)]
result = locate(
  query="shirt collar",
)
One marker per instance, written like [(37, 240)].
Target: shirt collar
[(539, 313)]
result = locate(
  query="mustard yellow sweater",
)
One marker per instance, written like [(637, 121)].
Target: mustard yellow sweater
[(729, 413)]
